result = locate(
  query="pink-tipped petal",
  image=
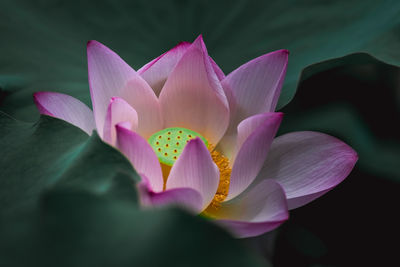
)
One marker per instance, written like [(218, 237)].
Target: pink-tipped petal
[(141, 155), (108, 74), (258, 210), (254, 88), (195, 169), (118, 111), (67, 108), (156, 72), (142, 98), (192, 96), (255, 136), (186, 198), (307, 165)]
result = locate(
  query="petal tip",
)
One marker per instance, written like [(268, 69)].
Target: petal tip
[(37, 100), (36, 95), (199, 42), (93, 46), (279, 114), (91, 43), (183, 43), (285, 51), (197, 142)]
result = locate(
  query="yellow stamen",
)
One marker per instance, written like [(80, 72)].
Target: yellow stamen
[(165, 172), (224, 179)]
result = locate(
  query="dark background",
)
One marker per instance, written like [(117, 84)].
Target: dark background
[(343, 79)]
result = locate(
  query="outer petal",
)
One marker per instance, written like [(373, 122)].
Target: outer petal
[(185, 197), (307, 165), (155, 72), (195, 169), (251, 89), (257, 84), (110, 76), (118, 111), (67, 108), (255, 136), (192, 96), (141, 155), (258, 210)]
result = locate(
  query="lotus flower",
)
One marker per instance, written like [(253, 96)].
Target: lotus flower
[(204, 140)]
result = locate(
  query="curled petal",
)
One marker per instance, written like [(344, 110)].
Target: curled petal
[(255, 136), (141, 155), (195, 169), (307, 165), (67, 108), (259, 209), (118, 111), (192, 96), (187, 198)]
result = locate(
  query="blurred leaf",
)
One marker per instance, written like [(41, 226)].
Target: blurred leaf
[(67, 199), (82, 229), (305, 242), (48, 153), (45, 40)]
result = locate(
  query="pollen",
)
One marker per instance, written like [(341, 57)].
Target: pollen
[(224, 179)]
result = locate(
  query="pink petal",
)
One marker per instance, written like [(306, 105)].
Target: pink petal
[(257, 84), (255, 136), (155, 72), (110, 76), (307, 165), (186, 198), (195, 169), (67, 108), (118, 111), (192, 96), (141, 155), (251, 89), (258, 210), (142, 98), (220, 74)]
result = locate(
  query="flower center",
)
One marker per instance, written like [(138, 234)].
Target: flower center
[(169, 143)]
